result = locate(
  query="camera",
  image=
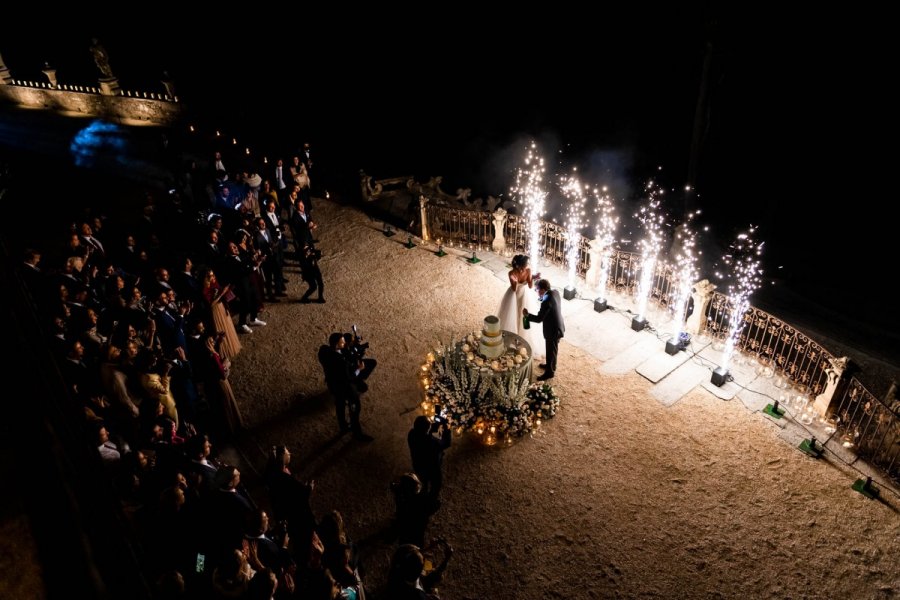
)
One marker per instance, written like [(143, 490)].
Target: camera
[(355, 346)]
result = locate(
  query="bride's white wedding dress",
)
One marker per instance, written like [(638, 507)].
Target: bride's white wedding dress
[(510, 313)]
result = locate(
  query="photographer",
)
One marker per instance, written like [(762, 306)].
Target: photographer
[(309, 266), (342, 377), (406, 580), (427, 453)]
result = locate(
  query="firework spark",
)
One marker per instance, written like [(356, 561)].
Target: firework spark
[(530, 195), (574, 192), (605, 232), (685, 268), (652, 220), (744, 263)]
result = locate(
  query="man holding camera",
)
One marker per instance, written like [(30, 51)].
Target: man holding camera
[(427, 453), (343, 379)]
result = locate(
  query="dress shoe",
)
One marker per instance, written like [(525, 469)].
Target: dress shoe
[(303, 300), (545, 377), (542, 365), (363, 437), (320, 300)]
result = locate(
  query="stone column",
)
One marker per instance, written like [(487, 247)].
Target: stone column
[(5, 76), (109, 87), (835, 377), (50, 72), (702, 293), (499, 243), (423, 216)]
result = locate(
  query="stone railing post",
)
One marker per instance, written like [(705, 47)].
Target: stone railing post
[(701, 294), (596, 249), (423, 214), (835, 374), (499, 243), (5, 75)]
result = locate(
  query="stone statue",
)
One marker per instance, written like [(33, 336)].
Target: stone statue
[(833, 373), (101, 59), (492, 203), (5, 77)]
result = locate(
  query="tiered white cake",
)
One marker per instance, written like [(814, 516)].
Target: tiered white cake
[(491, 344)]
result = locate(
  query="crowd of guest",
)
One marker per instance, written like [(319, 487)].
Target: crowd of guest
[(145, 316)]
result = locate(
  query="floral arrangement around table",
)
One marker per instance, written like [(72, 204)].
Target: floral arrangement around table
[(475, 397)]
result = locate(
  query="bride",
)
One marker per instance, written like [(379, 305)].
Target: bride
[(515, 299)]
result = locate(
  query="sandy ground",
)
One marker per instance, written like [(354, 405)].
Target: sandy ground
[(618, 496)]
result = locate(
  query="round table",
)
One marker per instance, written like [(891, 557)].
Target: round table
[(524, 370)]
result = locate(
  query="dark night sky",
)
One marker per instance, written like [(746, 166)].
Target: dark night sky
[(797, 118)]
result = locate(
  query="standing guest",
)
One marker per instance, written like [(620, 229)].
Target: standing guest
[(266, 245), (215, 376), (218, 165), (413, 510), (216, 296), (290, 500), (301, 226), (186, 285), (312, 275), (427, 453), (283, 182), (240, 272), (32, 275), (550, 315)]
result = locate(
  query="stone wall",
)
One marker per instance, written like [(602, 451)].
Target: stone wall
[(90, 103)]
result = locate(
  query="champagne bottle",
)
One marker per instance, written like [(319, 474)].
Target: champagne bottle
[(525, 322)]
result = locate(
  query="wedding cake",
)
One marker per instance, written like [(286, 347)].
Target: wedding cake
[(491, 343)]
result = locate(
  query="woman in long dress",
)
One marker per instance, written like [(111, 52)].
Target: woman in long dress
[(516, 298), (215, 294), (219, 390)]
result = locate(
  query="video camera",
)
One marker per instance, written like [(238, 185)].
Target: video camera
[(355, 346)]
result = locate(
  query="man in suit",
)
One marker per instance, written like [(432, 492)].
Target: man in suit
[(342, 380), (283, 183), (554, 328)]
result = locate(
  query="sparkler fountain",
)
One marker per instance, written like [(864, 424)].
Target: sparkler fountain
[(746, 277), (575, 222), (652, 220), (605, 236), (685, 276), (531, 196)]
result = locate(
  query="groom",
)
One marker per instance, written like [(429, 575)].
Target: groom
[(554, 328)]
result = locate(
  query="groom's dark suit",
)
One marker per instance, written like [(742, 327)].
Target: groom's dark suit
[(554, 328)]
